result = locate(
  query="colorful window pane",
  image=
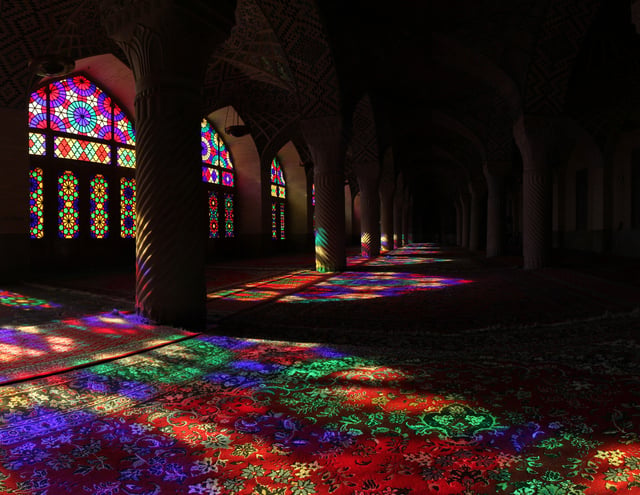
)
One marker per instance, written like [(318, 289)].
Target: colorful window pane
[(78, 106), (37, 144), (228, 215), (76, 149), (282, 230), (313, 194), (274, 221), (122, 127), (68, 205), (210, 175), (38, 109), (126, 158), (99, 207), (277, 180), (227, 179), (127, 208), (36, 198), (214, 231)]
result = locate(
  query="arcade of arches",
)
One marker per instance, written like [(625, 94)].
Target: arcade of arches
[(499, 141)]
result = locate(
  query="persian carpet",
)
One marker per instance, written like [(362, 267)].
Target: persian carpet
[(505, 413), (47, 331)]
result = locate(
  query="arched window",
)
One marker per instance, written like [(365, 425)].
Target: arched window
[(278, 201), (83, 141), (218, 175)]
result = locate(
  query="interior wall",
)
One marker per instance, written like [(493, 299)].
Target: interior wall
[(249, 207), (298, 202), (14, 194), (567, 233), (625, 238)]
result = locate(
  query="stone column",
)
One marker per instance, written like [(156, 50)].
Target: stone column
[(464, 204), (494, 175), (14, 194), (369, 209), (475, 196), (406, 216), (386, 192), (326, 144), (533, 136), (166, 52), (397, 213), (458, 207)]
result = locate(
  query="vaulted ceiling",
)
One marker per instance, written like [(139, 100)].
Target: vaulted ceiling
[(446, 80)]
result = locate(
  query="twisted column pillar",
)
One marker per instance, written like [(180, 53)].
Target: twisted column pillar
[(458, 206), (474, 217), (168, 60), (326, 145), (398, 207), (369, 211), (464, 203), (495, 206), (406, 218), (533, 138), (386, 192)]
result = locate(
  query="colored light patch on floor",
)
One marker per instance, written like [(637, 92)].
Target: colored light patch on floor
[(405, 260), (15, 300), (36, 350), (350, 286), (229, 416), (267, 289)]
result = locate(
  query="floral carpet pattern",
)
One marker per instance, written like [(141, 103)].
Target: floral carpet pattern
[(522, 409), (221, 415)]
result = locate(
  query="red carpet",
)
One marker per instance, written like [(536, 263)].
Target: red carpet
[(218, 415)]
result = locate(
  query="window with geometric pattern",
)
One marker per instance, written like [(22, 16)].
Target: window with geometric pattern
[(81, 140), (218, 175), (278, 201)]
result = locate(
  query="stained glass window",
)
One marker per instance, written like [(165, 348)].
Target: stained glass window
[(278, 196), (37, 144), (214, 232), (274, 221), (68, 205), (78, 149), (126, 158), (36, 197), (99, 207), (282, 226), (73, 119), (218, 175), (127, 208), (278, 186), (228, 215)]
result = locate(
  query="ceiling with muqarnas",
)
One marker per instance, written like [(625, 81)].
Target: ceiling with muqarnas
[(446, 81)]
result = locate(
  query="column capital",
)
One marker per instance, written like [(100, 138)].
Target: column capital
[(164, 40)]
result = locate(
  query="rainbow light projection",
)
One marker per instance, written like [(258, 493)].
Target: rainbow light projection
[(127, 208), (36, 220), (214, 230), (405, 260), (218, 174), (351, 286), (99, 207), (68, 206), (20, 301)]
